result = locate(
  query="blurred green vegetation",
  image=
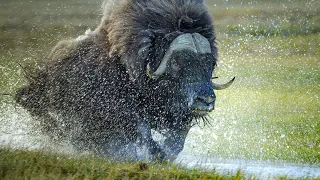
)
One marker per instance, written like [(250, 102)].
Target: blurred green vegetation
[(272, 111), (267, 18)]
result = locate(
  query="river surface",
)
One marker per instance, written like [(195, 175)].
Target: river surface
[(251, 168)]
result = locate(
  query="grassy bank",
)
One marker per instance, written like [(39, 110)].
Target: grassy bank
[(40, 165), (270, 113)]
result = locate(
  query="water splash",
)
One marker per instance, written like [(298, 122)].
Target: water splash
[(17, 132)]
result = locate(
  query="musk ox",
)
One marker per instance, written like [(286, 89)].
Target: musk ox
[(146, 68)]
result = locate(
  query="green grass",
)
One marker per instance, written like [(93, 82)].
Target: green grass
[(270, 113), (41, 165)]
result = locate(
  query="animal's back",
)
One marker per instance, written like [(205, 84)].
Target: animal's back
[(80, 94)]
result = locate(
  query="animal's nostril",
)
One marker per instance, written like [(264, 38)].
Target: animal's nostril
[(207, 99)]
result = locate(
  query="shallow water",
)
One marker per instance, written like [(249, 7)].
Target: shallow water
[(16, 132), (251, 168)]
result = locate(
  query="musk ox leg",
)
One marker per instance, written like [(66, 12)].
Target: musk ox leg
[(169, 149), (141, 148), (174, 142), (119, 150), (147, 144)]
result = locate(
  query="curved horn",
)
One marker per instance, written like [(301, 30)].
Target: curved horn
[(202, 43), (222, 86), (193, 42), (150, 74), (184, 41)]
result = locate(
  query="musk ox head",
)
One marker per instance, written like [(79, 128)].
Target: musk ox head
[(169, 44)]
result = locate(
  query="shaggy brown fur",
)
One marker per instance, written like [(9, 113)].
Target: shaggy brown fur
[(94, 90)]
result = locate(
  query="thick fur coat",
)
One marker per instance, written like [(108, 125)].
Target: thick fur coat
[(94, 90)]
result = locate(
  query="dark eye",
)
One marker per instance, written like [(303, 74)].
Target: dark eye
[(175, 65)]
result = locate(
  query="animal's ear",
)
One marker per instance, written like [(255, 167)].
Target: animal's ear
[(137, 60), (144, 42)]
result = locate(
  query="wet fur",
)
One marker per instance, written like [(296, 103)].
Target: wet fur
[(94, 88)]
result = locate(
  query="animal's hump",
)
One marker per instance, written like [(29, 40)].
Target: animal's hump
[(109, 6), (123, 20)]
